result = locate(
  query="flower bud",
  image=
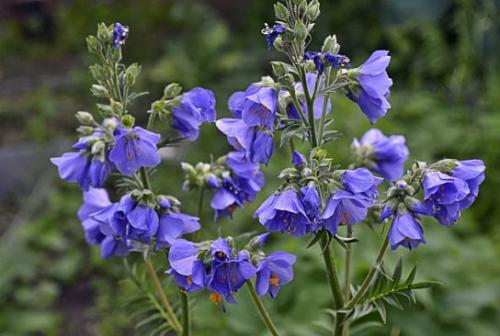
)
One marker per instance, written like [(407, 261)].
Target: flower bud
[(132, 73), (85, 118), (103, 33), (313, 10), (92, 44), (110, 124), (85, 130), (128, 121), (330, 45), (281, 11), (172, 90), (99, 91), (116, 107), (300, 31), (98, 147)]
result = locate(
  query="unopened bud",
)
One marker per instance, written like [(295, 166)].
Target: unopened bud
[(128, 121), (85, 118), (172, 90), (99, 91)]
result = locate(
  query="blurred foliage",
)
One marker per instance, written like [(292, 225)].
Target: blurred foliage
[(445, 101)]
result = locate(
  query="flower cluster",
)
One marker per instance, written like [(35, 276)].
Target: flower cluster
[(218, 267)]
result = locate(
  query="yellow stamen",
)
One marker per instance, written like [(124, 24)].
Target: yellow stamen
[(274, 280), (216, 298)]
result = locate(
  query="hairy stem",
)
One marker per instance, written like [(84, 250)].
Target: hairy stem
[(266, 318), (347, 265), (186, 322), (174, 322), (201, 197)]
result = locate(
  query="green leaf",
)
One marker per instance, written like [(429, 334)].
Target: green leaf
[(425, 284), (396, 275)]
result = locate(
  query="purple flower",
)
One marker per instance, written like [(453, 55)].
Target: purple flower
[(257, 144), (228, 273), (445, 195), (260, 106), (94, 201), (187, 270), (350, 205), (284, 212), (405, 231), (135, 221), (298, 160), (83, 168), (274, 271), (173, 225), (383, 155), (245, 182), (134, 148), (374, 86), (271, 33), (120, 34), (114, 242), (336, 60), (197, 106), (259, 240), (317, 58), (312, 205), (318, 102)]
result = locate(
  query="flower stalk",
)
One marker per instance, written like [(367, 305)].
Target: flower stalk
[(266, 318)]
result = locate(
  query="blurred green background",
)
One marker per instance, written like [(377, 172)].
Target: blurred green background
[(445, 101)]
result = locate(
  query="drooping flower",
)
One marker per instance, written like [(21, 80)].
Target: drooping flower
[(284, 212), (350, 205), (274, 271), (318, 102), (228, 273), (197, 106), (114, 243), (271, 33), (317, 58), (446, 195), (374, 86), (257, 144), (406, 231), (298, 160), (82, 167), (134, 148), (244, 182), (187, 270), (337, 60), (260, 106), (173, 225), (120, 34), (133, 220), (312, 205), (94, 201), (383, 155)]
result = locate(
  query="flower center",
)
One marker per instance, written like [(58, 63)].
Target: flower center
[(189, 280), (274, 280), (216, 298), (345, 217)]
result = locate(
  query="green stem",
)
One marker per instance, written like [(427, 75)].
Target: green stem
[(310, 108), (145, 178), (347, 273), (174, 322), (201, 197), (369, 277), (186, 324), (262, 310)]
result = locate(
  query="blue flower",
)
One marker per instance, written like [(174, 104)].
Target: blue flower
[(114, 243), (336, 60), (197, 106), (134, 148), (120, 34), (405, 231), (260, 106), (274, 271), (187, 270), (271, 33), (257, 144), (383, 155), (94, 201), (173, 225), (317, 58), (374, 86), (245, 182), (228, 273), (298, 160), (350, 205), (83, 168), (133, 220), (312, 205), (446, 195), (284, 212), (318, 102)]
